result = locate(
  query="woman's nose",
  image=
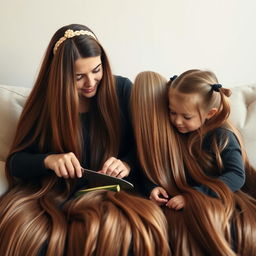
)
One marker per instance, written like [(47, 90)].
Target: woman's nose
[(90, 81)]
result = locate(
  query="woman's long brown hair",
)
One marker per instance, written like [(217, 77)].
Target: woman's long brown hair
[(115, 223), (50, 116), (50, 120), (167, 160)]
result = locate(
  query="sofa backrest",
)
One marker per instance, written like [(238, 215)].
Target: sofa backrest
[(12, 99)]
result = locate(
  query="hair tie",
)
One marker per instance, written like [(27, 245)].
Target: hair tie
[(216, 87), (173, 78)]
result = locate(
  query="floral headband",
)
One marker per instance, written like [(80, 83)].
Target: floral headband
[(71, 33)]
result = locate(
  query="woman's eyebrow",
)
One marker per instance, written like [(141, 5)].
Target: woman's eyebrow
[(97, 66), (184, 114)]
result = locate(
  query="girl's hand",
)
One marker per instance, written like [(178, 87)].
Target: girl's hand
[(159, 196), (116, 168), (64, 165), (178, 202)]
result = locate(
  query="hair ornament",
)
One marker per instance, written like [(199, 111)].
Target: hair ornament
[(216, 87), (173, 78), (71, 33)]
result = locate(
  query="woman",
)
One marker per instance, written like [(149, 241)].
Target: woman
[(76, 116)]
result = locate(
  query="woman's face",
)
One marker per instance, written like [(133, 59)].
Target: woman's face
[(89, 72)]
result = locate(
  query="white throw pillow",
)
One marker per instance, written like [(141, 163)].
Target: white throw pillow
[(243, 116), (12, 100)]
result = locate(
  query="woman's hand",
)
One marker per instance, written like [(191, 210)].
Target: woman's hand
[(177, 202), (116, 168), (64, 165), (159, 195)]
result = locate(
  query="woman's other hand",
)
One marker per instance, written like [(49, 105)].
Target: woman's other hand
[(64, 165), (116, 168)]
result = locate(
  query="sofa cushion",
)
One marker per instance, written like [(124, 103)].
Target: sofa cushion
[(12, 100), (243, 116)]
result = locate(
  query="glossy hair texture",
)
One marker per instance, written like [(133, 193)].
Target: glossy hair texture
[(30, 221), (153, 132), (167, 161), (103, 223), (50, 119)]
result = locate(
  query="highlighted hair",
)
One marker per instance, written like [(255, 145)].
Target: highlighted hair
[(115, 223)]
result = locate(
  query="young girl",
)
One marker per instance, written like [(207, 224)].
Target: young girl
[(194, 160), (199, 111)]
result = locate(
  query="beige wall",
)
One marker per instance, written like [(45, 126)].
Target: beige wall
[(166, 36)]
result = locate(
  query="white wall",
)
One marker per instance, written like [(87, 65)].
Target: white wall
[(166, 36)]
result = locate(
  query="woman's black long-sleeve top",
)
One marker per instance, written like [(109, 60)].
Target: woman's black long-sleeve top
[(29, 163)]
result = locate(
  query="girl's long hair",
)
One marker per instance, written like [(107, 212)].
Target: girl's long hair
[(115, 223), (50, 120), (167, 161)]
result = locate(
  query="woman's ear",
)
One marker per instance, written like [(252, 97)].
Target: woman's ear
[(211, 113)]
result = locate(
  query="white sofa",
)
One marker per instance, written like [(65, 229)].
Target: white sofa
[(12, 99)]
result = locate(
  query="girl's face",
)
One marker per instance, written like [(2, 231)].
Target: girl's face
[(184, 113), (89, 73)]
